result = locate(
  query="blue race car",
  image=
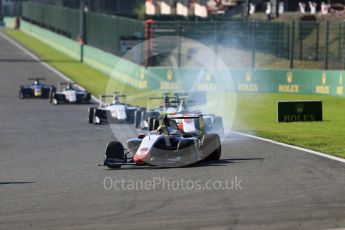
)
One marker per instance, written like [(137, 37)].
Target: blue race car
[(36, 90)]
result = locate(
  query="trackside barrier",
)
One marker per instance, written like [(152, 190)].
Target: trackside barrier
[(9, 22), (165, 78)]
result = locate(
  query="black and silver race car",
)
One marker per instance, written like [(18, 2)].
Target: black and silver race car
[(166, 146), (69, 94), (180, 103), (118, 111), (170, 104), (36, 90)]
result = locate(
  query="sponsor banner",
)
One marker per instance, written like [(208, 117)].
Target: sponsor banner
[(246, 81), (295, 111)]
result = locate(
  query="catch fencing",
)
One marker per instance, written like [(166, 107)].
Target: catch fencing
[(101, 31), (264, 44), (240, 43)]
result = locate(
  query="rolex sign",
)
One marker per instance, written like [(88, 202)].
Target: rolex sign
[(293, 111)]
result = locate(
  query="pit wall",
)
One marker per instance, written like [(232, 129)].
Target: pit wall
[(167, 78)]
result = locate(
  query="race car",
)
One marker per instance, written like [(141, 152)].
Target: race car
[(213, 122), (36, 90), (166, 146), (170, 105), (69, 94), (115, 112), (180, 104)]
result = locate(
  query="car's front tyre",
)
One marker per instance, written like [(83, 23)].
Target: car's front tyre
[(114, 155), (91, 117), (21, 94), (212, 147)]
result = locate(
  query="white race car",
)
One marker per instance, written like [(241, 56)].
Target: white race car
[(115, 112), (69, 94)]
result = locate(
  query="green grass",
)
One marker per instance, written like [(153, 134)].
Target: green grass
[(255, 113)]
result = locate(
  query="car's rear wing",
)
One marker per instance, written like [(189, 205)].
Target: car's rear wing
[(67, 82), (181, 117), (63, 83), (38, 79), (166, 99), (116, 96), (199, 118)]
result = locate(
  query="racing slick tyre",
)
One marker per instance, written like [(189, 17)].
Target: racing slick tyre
[(137, 118), (130, 116), (153, 123), (88, 99), (51, 96), (53, 99), (91, 115), (212, 147), (114, 155), (21, 94)]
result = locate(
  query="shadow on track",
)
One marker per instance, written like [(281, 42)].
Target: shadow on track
[(221, 162), (16, 182)]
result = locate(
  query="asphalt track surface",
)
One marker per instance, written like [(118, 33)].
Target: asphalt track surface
[(49, 178)]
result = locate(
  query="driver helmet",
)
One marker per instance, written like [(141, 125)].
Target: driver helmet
[(166, 101), (116, 100)]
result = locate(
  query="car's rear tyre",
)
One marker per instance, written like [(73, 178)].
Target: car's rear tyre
[(137, 118), (51, 96), (130, 116), (153, 123), (21, 95), (55, 101), (212, 147), (91, 115), (114, 155)]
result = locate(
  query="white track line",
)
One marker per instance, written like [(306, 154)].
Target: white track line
[(292, 147), (22, 48), (33, 56)]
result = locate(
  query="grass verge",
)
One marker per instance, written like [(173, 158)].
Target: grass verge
[(255, 114)]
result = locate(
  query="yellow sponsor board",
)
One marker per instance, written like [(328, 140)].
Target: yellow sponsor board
[(170, 74), (248, 87), (142, 74), (142, 84), (136, 83), (340, 88), (170, 85), (207, 87), (322, 89), (288, 88), (248, 76), (289, 77), (130, 80)]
